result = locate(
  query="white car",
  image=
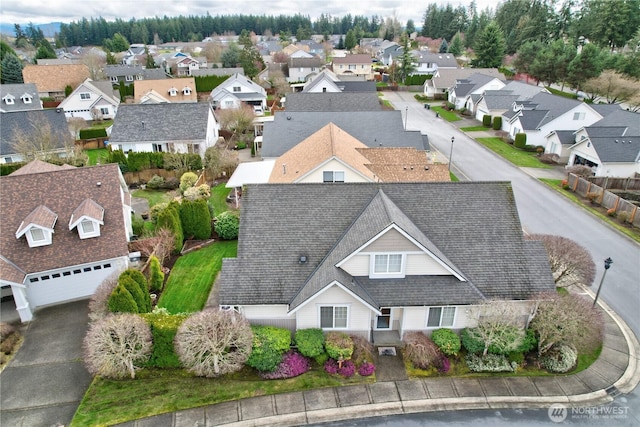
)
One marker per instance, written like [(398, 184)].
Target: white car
[(258, 110)]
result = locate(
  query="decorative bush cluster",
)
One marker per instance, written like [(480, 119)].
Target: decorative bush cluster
[(164, 327), (269, 345), (331, 367), (195, 219), (131, 295), (227, 225), (155, 182), (310, 342), (366, 369), (348, 369), (362, 350), (292, 365), (560, 359), (187, 180), (156, 275), (489, 363), (447, 341), (421, 351), (339, 345)]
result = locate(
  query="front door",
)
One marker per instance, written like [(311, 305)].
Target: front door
[(383, 321)]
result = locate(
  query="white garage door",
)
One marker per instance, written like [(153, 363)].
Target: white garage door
[(69, 284)]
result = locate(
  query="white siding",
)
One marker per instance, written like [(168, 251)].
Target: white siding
[(333, 165), (359, 317), (265, 311), (391, 241), (358, 265), (423, 264)]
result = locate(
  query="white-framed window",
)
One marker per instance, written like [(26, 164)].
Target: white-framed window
[(228, 104), (237, 89), (333, 176), (139, 77), (27, 99), (440, 317), (85, 95), (579, 115), (37, 235), (87, 226), (334, 316), (352, 66), (104, 110), (387, 264), (186, 91), (114, 79), (128, 78), (88, 229), (173, 91), (9, 100)]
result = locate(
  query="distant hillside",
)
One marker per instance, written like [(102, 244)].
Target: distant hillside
[(49, 30)]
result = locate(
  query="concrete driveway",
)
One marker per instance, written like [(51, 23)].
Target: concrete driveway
[(45, 382)]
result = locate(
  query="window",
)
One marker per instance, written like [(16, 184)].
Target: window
[(387, 263), (139, 77), (237, 89), (114, 79), (129, 78), (173, 91), (107, 266), (333, 317), (85, 95), (27, 99), (86, 269), (333, 176), (440, 317), (104, 110), (9, 100), (66, 273), (87, 226), (45, 278), (579, 116), (8, 160), (97, 267), (37, 235), (33, 279), (186, 91), (77, 271), (352, 66), (55, 275)]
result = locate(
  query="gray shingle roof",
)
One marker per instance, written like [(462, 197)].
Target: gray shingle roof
[(373, 128), (23, 121), (122, 70), (621, 118), (160, 122), (354, 101), (305, 62), (548, 107), (354, 86), (566, 137), (324, 222), (617, 150), (500, 102), (16, 91)]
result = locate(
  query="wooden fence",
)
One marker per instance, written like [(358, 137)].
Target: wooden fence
[(608, 183)]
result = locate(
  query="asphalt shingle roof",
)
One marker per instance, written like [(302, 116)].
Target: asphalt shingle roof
[(325, 101), (617, 150), (17, 91), (24, 122)]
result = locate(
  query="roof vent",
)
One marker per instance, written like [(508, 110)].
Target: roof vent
[(426, 168), (288, 117), (98, 184), (143, 124), (302, 259)]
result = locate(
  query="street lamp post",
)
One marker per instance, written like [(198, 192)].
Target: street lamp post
[(406, 113), (607, 265), (451, 152)]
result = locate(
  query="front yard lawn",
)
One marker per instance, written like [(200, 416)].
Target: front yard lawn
[(192, 276), (475, 129), (518, 157), (449, 116), (218, 198), (98, 155)]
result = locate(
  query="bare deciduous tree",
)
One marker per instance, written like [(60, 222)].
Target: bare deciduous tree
[(279, 83), (39, 141), (571, 264), (98, 307), (75, 125), (214, 342), (236, 120), (159, 245), (499, 325), (569, 319), (613, 86), (114, 345)]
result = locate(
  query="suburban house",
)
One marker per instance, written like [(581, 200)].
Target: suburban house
[(328, 81), (165, 90), (52, 80), (217, 72), (429, 63), (365, 258), (611, 146), (387, 52), (166, 127), (92, 100), (383, 128), (131, 73), (462, 93), (495, 103), (236, 91), (349, 101), (359, 65), (25, 125), (64, 231), (444, 79), (312, 47), (19, 97), (303, 69), (543, 113)]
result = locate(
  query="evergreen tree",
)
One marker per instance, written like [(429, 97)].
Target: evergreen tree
[(121, 301), (134, 289), (230, 57), (489, 48), (444, 46), (156, 275), (411, 27), (456, 47), (169, 218), (586, 65), (251, 61), (341, 43), (350, 41), (45, 51), (5, 50), (149, 62), (406, 60), (111, 58), (12, 69)]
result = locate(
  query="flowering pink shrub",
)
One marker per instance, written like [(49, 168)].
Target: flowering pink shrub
[(444, 365), (331, 367), (366, 369), (348, 369), (292, 365)]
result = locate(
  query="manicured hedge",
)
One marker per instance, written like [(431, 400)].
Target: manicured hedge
[(310, 342), (486, 120), (7, 168), (269, 345), (93, 133), (169, 218), (195, 219), (208, 83), (163, 329), (521, 140)]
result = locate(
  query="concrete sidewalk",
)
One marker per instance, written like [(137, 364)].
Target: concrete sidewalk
[(615, 372)]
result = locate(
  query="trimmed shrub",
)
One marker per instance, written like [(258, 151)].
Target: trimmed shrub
[(339, 345), (269, 344), (156, 275), (139, 278), (489, 363), (121, 301), (366, 369), (164, 327), (560, 359), (486, 120), (155, 210), (447, 341), (362, 350), (227, 225), (529, 342), (155, 182), (188, 179), (310, 342), (348, 369), (516, 357), (506, 338), (520, 140), (331, 367), (471, 343), (92, 133), (292, 365), (321, 359), (497, 123), (169, 218), (195, 219), (134, 289), (8, 168), (421, 351)]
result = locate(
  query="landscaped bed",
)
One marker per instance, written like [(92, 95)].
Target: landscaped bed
[(518, 157)]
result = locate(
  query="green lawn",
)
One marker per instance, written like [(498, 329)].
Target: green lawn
[(154, 196), (98, 124), (156, 391), (474, 128), (97, 155), (509, 152), (192, 276), (218, 198), (449, 116)]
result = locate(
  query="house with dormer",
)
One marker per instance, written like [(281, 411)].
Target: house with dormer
[(466, 90), (353, 65), (494, 103), (427, 62), (236, 91), (368, 258), (19, 97), (165, 90), (65, 230), (52, 80), (131, 73), (92, 100)]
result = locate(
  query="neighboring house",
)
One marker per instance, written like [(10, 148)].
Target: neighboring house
[(52, 80), (92, 100), (236, 91), (430, 63), (351, 101), (168, 127), (292, 50), (304, 69), (611, 146), (544, 113), (131, 73), (312, 47), (217, 72), (462, 93), (19, 97), (328, 81), (363, 258), (165, 90), (495, 103), (64, 231), (359, 65), (444, 79), (388, 52), (185, 66), (373, 128), (26, 125)]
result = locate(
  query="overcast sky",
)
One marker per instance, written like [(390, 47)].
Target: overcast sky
[(45, 11)]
